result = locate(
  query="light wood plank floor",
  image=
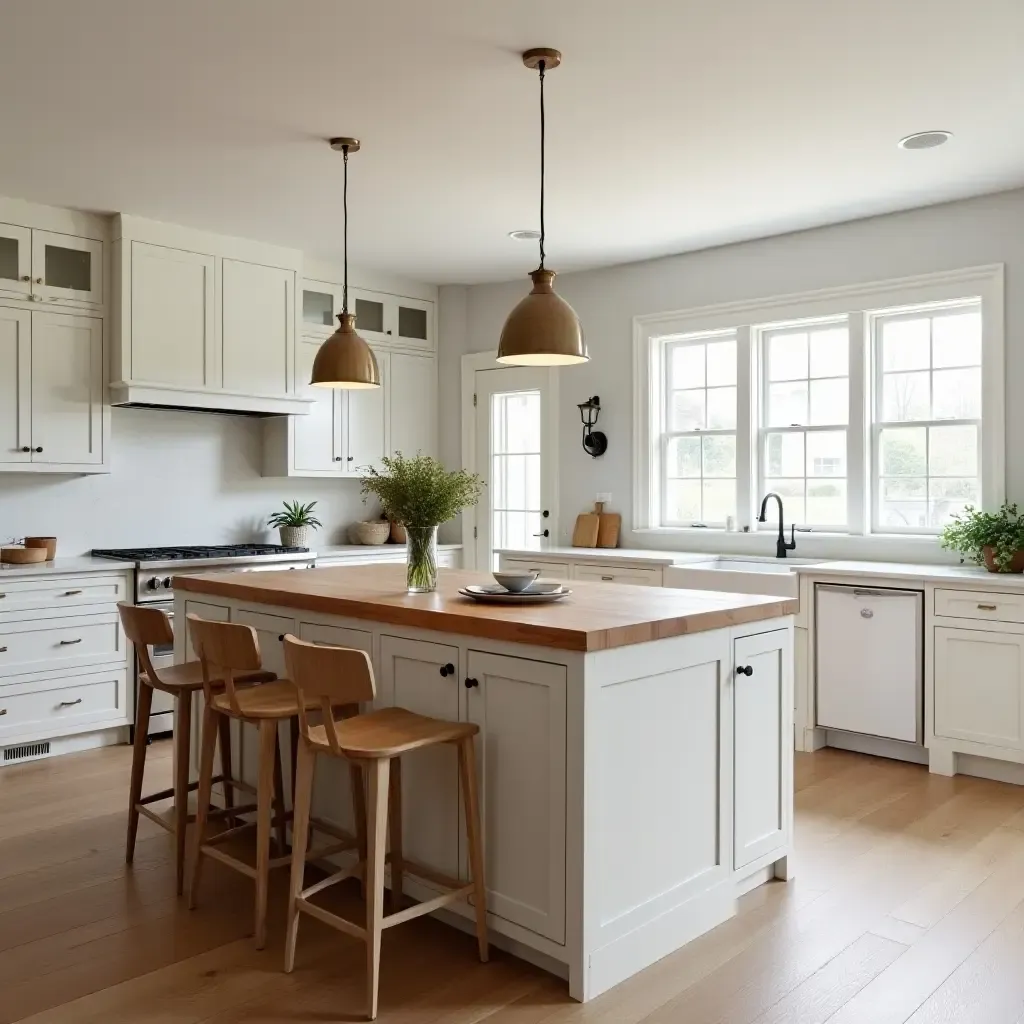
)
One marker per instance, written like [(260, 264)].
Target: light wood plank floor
[(908, 906)]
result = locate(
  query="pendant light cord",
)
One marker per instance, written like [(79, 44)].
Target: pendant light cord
[(542, 140), (344, 202)]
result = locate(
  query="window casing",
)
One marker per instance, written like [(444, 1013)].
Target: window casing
[(873, 410)]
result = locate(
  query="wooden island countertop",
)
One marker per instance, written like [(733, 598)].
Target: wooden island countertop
[(596, 617)]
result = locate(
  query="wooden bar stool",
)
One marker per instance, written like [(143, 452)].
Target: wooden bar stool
[(229, 654), (327, 677), (146, 628)]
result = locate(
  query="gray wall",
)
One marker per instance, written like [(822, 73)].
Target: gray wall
[(989, 229)]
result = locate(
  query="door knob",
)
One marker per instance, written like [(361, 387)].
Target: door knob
[(744, 670), (543, 533)]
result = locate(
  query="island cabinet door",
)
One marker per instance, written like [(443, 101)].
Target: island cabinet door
[(424, 677), (762, 753), (520, 707)]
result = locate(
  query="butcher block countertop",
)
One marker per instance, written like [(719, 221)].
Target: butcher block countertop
[(596, 617)]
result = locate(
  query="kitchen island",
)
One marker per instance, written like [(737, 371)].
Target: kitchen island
[(635, 747)]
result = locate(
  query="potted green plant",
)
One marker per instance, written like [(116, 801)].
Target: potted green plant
[(421, 494), (992, 539), (294, 523)]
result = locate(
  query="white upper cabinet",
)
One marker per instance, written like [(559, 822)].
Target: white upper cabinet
[(203, 321), (413, 404), (172, 322), (366, 420), (53, 416), (258, 328), (52, 267)]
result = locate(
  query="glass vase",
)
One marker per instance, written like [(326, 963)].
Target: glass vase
[(421, 559)]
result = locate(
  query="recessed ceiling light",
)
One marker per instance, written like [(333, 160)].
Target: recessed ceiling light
[(524, 235), (925, 140)]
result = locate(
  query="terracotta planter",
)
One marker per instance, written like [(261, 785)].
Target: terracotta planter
[(398, 535), (1017, 565)]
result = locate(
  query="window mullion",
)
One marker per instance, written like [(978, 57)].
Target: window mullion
[(858, 460), (747, 447)]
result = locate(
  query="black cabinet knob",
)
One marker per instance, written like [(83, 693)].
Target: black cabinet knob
[(281, 637), (470, 682), (26, 448), (351, 458), (744, 670), (37, 450), (447, 670), (337, 458)]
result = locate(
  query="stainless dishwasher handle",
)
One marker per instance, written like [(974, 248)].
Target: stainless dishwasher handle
[(866, 591)]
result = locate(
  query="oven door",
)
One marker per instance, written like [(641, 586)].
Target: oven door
[(161, 716)]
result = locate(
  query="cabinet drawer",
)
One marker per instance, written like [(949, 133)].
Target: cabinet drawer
[(61, 592), (618, 574), (54, 707), (52, 644), (547, 570), (976, 604)]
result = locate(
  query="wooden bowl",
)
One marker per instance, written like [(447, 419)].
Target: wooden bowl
[(22, 556), (50, 543)]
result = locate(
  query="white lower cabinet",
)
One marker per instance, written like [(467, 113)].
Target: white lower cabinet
[(522, 786), (424, 677), (979, 686), (547, 570), (763, 746)]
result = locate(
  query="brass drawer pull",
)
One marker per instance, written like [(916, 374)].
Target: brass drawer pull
[(69, 643), (987, 607), (69, 703), (71, 593), (608, 579)]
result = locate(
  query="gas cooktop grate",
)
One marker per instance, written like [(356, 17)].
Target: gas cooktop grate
[(215, 551)]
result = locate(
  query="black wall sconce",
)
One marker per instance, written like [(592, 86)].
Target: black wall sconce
[(594, 441)]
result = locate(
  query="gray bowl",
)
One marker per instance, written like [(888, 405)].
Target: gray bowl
[(516, 582)]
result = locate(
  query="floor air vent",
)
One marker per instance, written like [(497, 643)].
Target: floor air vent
[(26, 751)]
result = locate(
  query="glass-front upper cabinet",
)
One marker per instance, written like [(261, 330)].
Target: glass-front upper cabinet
[(15, 261), (414, 323), (67, 269), (318, 308)]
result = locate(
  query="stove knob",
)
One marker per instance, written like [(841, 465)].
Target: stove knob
[(167, 583), (153, 584)]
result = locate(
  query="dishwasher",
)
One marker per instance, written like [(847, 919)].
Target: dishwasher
[(868, 660)]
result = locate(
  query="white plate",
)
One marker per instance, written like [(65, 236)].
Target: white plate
[(532, 591), (502, 596)]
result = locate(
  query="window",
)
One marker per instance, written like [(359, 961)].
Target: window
[(871, 410), (700, 433), (806, 413), (927, 422), (515, 469)]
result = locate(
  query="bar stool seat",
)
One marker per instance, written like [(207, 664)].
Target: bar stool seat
[(189, 676), (387, 733)]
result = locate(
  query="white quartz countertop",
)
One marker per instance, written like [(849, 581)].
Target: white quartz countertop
[(958, 574), (63, 566), (638, 555)]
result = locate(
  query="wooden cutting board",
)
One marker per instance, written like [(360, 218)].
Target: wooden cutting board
[(584, 534), (608, 528)]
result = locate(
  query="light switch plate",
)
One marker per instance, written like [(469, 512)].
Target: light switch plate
[(605, 496)]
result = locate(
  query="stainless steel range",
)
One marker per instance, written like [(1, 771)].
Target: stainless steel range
[(155, 569)]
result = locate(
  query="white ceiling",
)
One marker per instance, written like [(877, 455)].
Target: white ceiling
[(673, 124)]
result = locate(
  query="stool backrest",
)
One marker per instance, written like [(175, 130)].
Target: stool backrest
[(333, 675), (146, 628), (224, 649)]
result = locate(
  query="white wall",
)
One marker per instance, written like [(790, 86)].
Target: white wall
[(989, 229), (177, 478)]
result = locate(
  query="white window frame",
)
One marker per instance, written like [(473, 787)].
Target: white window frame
[(859, 302)]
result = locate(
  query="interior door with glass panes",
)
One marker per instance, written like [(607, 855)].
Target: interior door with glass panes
[(514, 453)]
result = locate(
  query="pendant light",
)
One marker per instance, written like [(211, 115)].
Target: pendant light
[(344, 360), (543, 330)]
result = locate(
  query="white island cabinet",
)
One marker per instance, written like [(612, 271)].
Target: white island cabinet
[(635, 752)]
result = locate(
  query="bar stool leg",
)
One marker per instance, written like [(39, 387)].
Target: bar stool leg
[(182, 746), (395, 833), (226, 766), (207, 750), (303, 798), (264, 805), (467, 772), (145, 701), (355, 778), (280, 822), (376, 827)]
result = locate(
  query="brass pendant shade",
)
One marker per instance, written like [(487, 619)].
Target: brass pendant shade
[(543, 330), (344, 360)]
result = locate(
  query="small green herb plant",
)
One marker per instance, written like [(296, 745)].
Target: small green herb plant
[(419, 491), (972, 531), (296, 514)]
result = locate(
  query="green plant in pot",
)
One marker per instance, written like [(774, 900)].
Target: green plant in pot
[(421, 494), (992, 539), (294, 523)]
